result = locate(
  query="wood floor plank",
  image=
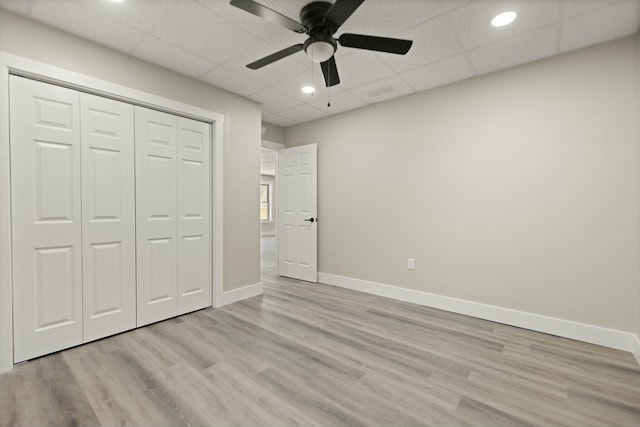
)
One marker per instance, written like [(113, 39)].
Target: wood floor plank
[(45, 393), (315, 355)]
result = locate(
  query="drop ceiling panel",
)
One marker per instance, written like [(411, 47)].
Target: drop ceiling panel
[(386, 18), (78, 19), (223, 77), (293, 86), (168, 56), (441, 73), (523, 48), (198, 30), (302, 113), (363, 67), (143, 15), (472, 22), (578, 7), (606, 23), (432, 41), (278, 120), (340, 102), (16, 6), (274, 101), (448, 5), (264, 30), (213, 41)]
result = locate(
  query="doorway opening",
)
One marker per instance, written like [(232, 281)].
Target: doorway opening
[(268, 208)]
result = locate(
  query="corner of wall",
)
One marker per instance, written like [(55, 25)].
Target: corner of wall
[(6, 313), (637, 114), (236, 295), (272, 132)]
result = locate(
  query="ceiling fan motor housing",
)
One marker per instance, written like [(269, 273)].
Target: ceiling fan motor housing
[(312, 17), (320, 45)]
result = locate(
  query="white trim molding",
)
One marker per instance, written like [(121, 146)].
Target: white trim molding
[(6, 311), (13, 64), (636, 348), (612, 338), (272, 145), (246, 292)]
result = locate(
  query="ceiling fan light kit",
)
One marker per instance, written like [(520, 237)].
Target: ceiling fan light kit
[(320, 48), (320, 21)]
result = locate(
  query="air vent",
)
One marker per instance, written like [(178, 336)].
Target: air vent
[(381, 91)]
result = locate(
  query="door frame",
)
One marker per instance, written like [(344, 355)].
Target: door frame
[(14, 64)]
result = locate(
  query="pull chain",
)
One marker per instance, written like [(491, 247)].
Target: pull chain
[(312, 81), (328, 86)]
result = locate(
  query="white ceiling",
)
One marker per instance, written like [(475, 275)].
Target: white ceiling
[(453, 40)]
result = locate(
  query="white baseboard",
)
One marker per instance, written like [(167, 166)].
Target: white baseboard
[(636, 350), (239, 294), (612, 338)]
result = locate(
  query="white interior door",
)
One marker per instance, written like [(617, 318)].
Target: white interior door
[(46, 217), (297, 213), (194, 218), (156, 146), (108, 216)]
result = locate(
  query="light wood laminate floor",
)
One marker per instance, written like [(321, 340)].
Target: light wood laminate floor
[(314, 355)]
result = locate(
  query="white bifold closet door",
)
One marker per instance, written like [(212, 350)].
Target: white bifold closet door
[(111, 212), (73, 217), (46, 218), (108, 216), (194, 218), (172, 224)]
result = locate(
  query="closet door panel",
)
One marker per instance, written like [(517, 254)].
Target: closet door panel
[(46, 218), (194, 252), (108, 207), (156, 145)]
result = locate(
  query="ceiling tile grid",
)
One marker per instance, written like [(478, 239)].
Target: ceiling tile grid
[(233, 82), (80, 19), (440, 73), (606, 23), (453, 40), (516, 50), (165, 54), (433, 41)]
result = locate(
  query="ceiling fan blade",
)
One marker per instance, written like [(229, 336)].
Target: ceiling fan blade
[(268, 14), (341, 11), (381, 44), (276, 56), (330, 72)]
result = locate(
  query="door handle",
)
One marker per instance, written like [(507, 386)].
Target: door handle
[(311, 220)]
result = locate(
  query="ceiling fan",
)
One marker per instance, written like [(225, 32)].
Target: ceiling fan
[(320, 21)]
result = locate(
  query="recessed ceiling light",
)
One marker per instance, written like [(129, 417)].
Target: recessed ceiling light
[(308, 89), (503, 19), (117, 1)]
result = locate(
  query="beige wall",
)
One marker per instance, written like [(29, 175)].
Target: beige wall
[(274, 133), (518, 189), (637, 119), (241, 129)]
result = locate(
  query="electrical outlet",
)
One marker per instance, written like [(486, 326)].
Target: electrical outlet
[(411, 263)]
